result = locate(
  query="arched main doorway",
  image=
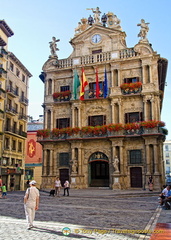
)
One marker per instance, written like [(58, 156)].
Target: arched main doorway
[(98, 170)]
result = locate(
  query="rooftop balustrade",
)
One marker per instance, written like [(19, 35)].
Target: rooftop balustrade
[(95, 58)]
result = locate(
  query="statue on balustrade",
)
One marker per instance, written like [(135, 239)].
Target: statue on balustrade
[(144, 30), (53, 46)]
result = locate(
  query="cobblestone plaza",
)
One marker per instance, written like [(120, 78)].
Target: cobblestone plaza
[(86, 214)]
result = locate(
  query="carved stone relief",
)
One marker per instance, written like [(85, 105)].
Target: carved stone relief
[(96, 110)]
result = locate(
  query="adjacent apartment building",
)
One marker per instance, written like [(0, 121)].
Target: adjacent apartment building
[(15, 122), (167, 160), (102, 108)]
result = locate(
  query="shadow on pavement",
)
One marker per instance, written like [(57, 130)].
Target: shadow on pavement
[(71, 235)]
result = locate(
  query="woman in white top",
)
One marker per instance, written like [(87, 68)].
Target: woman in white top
[(57, 186)]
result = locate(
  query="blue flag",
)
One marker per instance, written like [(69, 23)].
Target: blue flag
[(105, 85)]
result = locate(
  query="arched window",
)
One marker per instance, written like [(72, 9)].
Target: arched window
[(49, 86)]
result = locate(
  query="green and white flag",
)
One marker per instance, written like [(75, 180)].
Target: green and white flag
[(76, 83)]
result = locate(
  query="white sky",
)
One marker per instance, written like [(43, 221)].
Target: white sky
[(34, 22)]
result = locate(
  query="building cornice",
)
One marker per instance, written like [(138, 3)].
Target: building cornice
[(17, 61), (6, 29)]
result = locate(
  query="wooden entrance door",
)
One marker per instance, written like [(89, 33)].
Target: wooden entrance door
[(99, 174), (136, 177), (63, 175)]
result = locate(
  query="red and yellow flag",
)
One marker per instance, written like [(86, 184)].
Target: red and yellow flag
[(84, 83)]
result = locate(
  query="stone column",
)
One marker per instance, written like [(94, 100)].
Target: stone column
[(113, 112), (119, 77), (79, 116), (73, 116), (79, 161), (145, 110), (156, 170), (150, 73), (51, 120), (53, 87), (147, 160), (143, 75), (153, 108), (51, 162), (120, 111), (44, 162), (45, 119), (112, 76)]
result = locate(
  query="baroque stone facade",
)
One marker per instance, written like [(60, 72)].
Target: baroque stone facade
[(122, 158)]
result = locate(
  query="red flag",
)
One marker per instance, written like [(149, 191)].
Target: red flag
[(84, 83), (97, 84)]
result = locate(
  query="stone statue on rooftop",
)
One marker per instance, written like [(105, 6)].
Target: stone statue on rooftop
[(144, 30), (96, 12), (53, 47), (113, 21)]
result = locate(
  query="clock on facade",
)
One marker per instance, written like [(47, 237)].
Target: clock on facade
[(96, 38)]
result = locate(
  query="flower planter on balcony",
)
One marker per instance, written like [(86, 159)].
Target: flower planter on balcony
[(131, 88)]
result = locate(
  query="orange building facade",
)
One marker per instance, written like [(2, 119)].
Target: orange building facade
[(33, 162)]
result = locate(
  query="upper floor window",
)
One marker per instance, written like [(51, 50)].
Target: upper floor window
[(19, 146), (62, 122), (49, 86), (92, 89), (135, 156), (167, 154), (13, 144), (97, 120), (17, 72), (17, 91), (11, 67), (131, 80), (64, 159), (167, 161), (96, 51), (23, 78), (166, 148), (7, 143), (64, 88), (133, 117)]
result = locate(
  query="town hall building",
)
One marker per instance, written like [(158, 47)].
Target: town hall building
[(102, 108)]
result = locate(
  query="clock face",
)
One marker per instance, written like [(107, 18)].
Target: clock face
[(96, 38)]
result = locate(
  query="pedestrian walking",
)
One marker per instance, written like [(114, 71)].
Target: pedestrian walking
[(150, 183), (57, 186), (4, 191), (66, 187), (31, 203), (0, 187)]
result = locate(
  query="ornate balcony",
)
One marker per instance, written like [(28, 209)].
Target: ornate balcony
[(24, 100), (12, 91), (101, 135)]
